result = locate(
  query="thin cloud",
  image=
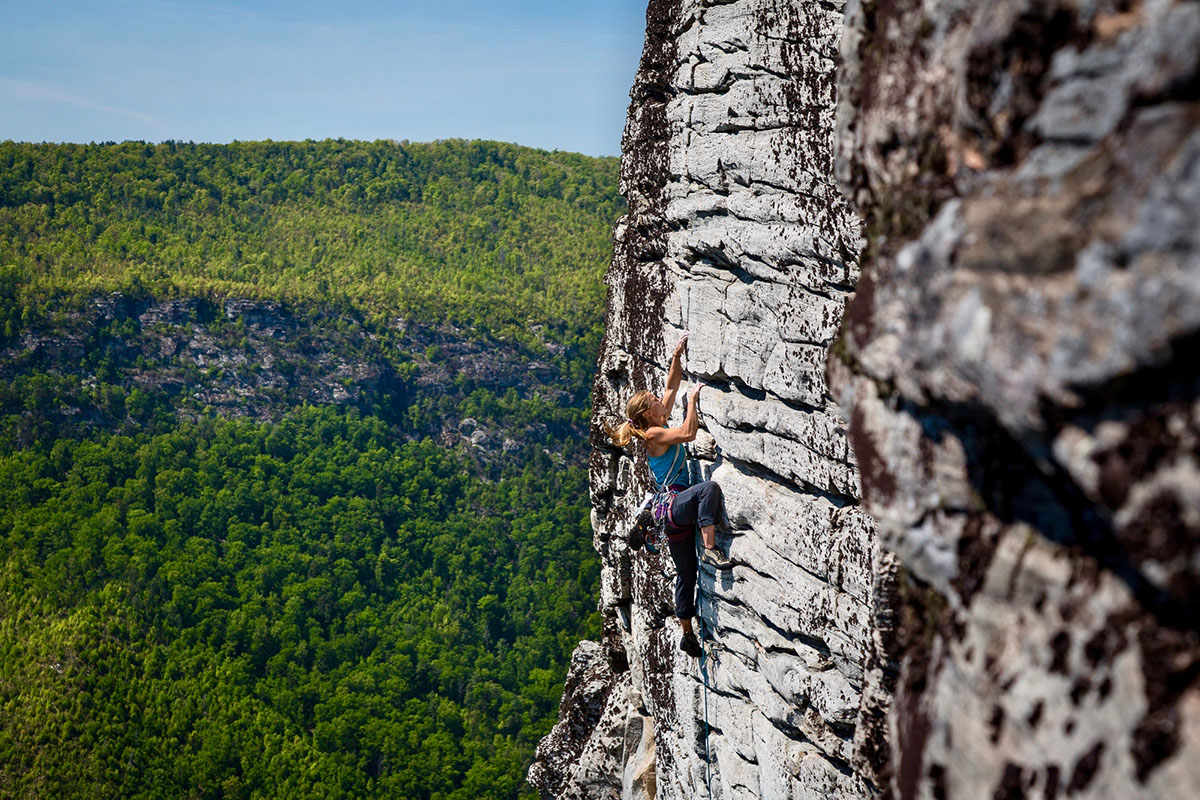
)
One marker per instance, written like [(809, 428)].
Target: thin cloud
[(32, 90)]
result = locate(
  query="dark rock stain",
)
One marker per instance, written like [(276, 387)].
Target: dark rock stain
[(1012, 784), (1170, 667), (1085, 769), (1110, 641), (1020, 61), (1053, 776), (1159, 534), (925, 617), (937, 781), (1155, 403), (873, 745), (995, 724), (1060, 648), (878, 484), (975, 550), (1035, 715), (1079, 689)]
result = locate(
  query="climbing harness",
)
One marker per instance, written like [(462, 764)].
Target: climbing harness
[(655, 514), (656, 538), (664, 498)]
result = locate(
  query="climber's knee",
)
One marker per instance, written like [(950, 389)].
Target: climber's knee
[(710, 503)]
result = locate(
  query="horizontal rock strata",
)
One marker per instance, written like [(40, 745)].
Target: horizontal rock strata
[(737, 233), (976, 574)]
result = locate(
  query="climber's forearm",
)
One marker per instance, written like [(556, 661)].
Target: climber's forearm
[(675, 373), (691, 421)]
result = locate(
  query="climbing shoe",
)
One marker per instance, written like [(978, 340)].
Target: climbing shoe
[(690, 645), (715, 558)]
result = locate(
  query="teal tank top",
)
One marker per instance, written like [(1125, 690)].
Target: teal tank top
[(671, 467)]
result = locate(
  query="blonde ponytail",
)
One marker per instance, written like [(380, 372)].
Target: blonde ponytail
[(632, 426)]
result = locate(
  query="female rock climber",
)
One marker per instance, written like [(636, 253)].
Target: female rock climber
[(693, 504)]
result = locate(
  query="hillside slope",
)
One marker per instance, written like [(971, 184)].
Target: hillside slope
[(292, 464)]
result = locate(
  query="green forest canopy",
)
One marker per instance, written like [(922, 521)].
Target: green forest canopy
[(485, 235), (319, 606), (286, 610)]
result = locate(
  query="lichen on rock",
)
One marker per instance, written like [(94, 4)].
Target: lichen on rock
[(1021, 384), (738, 233), (940, 262)]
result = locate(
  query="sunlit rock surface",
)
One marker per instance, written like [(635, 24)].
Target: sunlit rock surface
[(738, 233), (964, 485), (1020, 371)]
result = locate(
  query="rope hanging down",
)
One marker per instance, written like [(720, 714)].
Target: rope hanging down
[(704, 656)]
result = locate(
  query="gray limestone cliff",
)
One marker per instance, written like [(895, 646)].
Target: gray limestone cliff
[(738, 233), (940, 262)]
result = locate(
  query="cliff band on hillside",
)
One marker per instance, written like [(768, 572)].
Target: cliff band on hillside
[(964, 484)]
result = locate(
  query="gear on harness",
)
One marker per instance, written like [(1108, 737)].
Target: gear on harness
[(654, 515), (647, 531)]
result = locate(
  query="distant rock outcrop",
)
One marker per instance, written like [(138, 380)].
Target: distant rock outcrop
[(256, 358), (967, 515)]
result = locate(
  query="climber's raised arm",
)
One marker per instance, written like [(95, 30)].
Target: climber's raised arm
[(674, 374), (660, 438)]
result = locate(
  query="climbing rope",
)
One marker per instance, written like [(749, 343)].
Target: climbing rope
[(704, 677)]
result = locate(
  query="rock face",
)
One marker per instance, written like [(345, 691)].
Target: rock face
[(259, 359), (738, 233), (966, 505), (1019, 369)]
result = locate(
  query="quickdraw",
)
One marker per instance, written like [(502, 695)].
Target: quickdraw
[(656, 540), (662, 506)]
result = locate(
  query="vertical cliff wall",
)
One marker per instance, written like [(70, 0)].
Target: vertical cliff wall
[(738, 233), (966, 505)]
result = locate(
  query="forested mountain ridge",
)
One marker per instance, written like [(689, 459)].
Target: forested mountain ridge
[(290, 442), (181, 273), (381, 225)]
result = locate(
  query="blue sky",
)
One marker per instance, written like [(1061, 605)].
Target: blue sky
[(545, 73)]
